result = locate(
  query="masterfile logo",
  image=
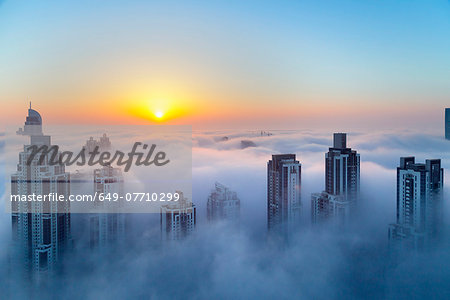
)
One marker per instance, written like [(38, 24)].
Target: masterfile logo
[(109, 169), (96, 157)]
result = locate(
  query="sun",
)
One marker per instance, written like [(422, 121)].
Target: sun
[(159, 114)]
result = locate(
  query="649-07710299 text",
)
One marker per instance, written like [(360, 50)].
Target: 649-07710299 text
[(101, 197)]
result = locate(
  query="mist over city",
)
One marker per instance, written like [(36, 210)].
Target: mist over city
[(225, 149), (229, 259)]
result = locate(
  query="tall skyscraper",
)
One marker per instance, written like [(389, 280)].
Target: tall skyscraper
[(223, 204), (419, 202), (447, 123), (107, 229), (342, 169), (178, 219), (283, 191), (342, 183), (40, 229)]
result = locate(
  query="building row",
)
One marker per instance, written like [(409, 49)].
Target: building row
[(419, 202), (336, 202), (42, 230)]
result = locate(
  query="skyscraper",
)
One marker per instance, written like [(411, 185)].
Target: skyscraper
[(325, 206), (102, 144), (419, 202), (283, 191), (108, 228), (342, 183), (223, 204), (33, 124), (447, 123), (40, 229), (342, 169), (178, 219)]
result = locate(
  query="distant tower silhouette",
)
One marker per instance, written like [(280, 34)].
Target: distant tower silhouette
[(223, 204), (447, 123)]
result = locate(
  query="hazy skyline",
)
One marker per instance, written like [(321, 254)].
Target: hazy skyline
[(246, 80), (228, 65), (219, 261)]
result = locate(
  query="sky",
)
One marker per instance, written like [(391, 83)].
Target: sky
[(377, 70), (228, 64)]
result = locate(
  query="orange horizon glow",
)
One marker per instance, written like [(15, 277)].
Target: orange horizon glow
[(171, 110)]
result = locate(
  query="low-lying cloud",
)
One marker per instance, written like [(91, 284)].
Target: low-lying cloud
[(224, 261)]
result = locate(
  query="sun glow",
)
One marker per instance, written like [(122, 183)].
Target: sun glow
[(159, 114), (157, 110)]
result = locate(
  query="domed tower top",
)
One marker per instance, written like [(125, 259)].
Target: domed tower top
[(33, 118), (33, 124)]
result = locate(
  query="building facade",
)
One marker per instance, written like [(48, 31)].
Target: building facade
[(223, 204), (283, 191), (447, 123), (177, 219), (342, 169), (41, 230), (107, 229), (325, 207), (419, 202), (342, 183)]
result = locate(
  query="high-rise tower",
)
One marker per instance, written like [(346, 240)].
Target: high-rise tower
[(419, 202), (107, 229), (342, 169), (40, 229), (447, 123), (283, 191), (342, 182), (178, 219), (223, 204)]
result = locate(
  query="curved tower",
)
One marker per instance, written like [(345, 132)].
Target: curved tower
[(33, 124), (40, 229)]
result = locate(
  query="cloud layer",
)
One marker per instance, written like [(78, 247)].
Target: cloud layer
[(224, 261)]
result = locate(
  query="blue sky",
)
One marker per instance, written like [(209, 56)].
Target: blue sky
[(228, 56)]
